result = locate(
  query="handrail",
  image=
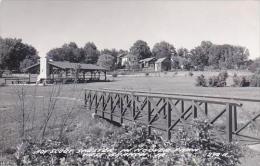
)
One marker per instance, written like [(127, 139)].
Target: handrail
[(189, 95), (165, 95)]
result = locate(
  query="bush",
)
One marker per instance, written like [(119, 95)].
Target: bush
[(240, 81), (218, 81), (255, 79), (201, 81), (114, 74), (190, 73), (196, 146)]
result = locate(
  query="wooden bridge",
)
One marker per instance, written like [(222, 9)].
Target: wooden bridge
[(168, 111)]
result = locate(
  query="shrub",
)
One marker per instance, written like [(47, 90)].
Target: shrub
[(190, 73), (218, 81), (114, 74), (240, 81), (201, 81), (255, 79), (196, 146)]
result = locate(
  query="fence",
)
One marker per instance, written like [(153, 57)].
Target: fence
[(167, 112)]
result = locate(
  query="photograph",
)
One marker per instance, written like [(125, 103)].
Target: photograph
[(129, 82)]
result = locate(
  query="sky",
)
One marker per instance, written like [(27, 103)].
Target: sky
[(48, 24)]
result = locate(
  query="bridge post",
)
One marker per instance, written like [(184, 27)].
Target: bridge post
[(229, 122), (206, 108), (234, 118), (111, 108), (149, 115), (133, 106), (169, 120), (121, 109), (182, 106), (85, 99), (195, 113)]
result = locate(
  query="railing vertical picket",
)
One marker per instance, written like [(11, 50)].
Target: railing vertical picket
[(96, 103), (235, 118), (103, 104), (85, 99), (182, 106), (121, 108), (206, 108), (149, 115), (169, 120), (133, 107), (194, 110), (229, 122), (111, 107)]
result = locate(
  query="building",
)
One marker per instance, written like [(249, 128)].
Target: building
[(122, 59), (162, 64), (148, 63), (63, 71)]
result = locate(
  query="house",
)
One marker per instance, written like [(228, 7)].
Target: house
[(122, 59), (162, 64), (147, 63)]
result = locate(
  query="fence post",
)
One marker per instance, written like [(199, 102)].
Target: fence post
[(169, 120), (229, 122), (103, 104)]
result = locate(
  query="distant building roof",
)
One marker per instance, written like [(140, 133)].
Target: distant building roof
[(160, 60), (147, 59)]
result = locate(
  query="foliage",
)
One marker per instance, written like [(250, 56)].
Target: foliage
[(240, 81), (14, 54), (255, 79), (190, 73), (255, 65), (201, 81), (68, 52), (141, 50), (163, 49), (107, 61), (114, 74), (131, 145), (72, 53)]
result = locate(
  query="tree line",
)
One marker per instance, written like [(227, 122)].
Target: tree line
[(16, 55)]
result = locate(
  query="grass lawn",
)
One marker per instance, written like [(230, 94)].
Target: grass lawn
[(69, 106)]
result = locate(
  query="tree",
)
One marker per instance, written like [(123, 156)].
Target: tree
[(141, 50), (112, 52), (91, 53), (13, 52), (107, 61), (68, 52), (163, 49)]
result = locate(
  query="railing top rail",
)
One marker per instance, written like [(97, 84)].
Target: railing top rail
[(190, 95), (163, 95)]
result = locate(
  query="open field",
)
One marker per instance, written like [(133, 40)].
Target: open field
[(67, 101)]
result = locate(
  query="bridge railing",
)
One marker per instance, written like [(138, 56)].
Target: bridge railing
[(166, 111)]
